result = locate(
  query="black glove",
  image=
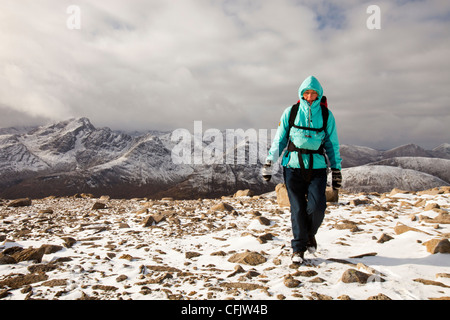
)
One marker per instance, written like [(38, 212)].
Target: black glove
[(336, 178), (267, 170)]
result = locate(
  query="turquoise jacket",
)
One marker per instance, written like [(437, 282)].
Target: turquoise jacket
[(307, 116)]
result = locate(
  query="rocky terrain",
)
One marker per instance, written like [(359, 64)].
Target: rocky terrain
[(371, 246)]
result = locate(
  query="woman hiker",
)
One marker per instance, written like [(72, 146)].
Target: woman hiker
[(308, 130)]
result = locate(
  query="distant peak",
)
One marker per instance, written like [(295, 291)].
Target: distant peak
[(78, 123)]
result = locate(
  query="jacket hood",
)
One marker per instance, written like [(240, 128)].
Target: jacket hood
[(311, 83)]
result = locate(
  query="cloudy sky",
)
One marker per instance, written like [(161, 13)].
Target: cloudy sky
[(162, 64)]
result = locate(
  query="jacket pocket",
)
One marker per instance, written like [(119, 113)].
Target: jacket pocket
[(307, 139)]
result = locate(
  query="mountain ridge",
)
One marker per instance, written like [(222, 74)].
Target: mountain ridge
[(73, 156)]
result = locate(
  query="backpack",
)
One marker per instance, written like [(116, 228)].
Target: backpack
[(321, 150)]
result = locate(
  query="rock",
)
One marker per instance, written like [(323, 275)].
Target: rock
[(51, 248), (431, 206), (320, 296), (282, 195), (431, 283), (29, 254), (420, 203), (121, 278), (306, 273), (443, 217), (283, 198), (46, 211), (264, 221), (45, 267), (127, 256), (250, 274), (55, 283), (370, 254), (4, 293), (265, 237), (237, 269), (104, 287), (24, 202), (219, 253), (431, 192), (332, 195), (384, 238), (347, 224), (357, 202), (69, 242), (395, 191), (250, 258), (379, 296), (243, 193), (148, 221), (190, 255), (98, 205), (223, 206), (162, 268), (20, 280), (159, 218), (438, 246), (370, 270), (290, 282), (242, 285), (402, 228), (352, 275), (6, 259)]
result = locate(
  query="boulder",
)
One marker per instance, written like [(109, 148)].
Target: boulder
[(148, 221), (352, 275), (283, 199), (282, 195), (290, 282), (98, 206), (250, 258), (438, 246), (243, 193), (223, 206), (264, 221), (69, 241), (332, 194), (29, 254), (402, 228), (24, 202), (6, 259), (379, 296)]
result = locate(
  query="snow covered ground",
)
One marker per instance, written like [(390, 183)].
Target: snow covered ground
[(186, 254)]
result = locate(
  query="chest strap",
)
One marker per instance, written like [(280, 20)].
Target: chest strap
[(300, 152)]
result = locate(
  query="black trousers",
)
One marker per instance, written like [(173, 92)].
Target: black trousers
[(308, 204)]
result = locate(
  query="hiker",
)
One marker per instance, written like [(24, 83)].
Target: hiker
[(310, 136)]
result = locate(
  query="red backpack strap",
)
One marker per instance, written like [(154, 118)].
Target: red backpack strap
[(324, 102)]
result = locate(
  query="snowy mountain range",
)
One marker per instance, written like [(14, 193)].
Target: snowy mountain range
[(73, 156)]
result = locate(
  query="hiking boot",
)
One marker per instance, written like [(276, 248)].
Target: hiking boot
[(311, 246), (297, 257)]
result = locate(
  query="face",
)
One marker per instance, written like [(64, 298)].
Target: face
[(310, 96)]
